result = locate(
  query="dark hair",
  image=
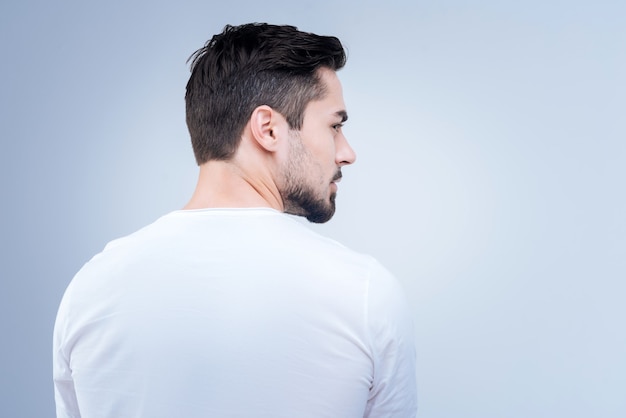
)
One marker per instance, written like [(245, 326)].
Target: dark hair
[(248, 66)]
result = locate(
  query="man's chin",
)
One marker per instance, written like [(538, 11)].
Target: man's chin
[(322, 214), (315, 211), (319, 218), (314, 216)]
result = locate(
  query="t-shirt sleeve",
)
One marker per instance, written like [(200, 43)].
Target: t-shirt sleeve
[(64, 394), (393, 392)]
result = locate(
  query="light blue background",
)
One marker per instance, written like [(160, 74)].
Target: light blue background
[(491, 141)]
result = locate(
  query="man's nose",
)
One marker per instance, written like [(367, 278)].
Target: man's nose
[(345, 153)]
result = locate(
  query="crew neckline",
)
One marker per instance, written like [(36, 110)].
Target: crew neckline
[(259, 209)]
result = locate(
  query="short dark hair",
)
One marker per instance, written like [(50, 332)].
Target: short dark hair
[(248, 66)]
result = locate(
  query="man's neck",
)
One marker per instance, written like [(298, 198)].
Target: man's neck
[(225, 184)]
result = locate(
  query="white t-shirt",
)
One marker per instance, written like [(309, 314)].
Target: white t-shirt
[(233, 313)]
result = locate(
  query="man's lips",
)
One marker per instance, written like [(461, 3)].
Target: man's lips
[(336, 180)]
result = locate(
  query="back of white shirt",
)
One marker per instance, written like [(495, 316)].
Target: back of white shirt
[(233, 313)]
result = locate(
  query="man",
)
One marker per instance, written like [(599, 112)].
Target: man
[(229, 307)]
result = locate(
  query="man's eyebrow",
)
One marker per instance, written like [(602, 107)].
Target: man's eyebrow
[(343, 115)]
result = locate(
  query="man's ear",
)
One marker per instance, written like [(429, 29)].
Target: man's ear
[(267, 127)]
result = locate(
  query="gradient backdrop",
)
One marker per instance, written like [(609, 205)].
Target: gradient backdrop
[(491, 141)]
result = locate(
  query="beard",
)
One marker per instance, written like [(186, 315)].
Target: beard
[(299, 194), (302, 201)]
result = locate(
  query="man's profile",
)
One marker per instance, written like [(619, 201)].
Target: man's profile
[(229, 307)]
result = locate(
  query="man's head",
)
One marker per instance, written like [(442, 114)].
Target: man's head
[(276, 88), (248, 66)]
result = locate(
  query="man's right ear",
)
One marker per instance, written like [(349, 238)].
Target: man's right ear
[(267, 127)]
